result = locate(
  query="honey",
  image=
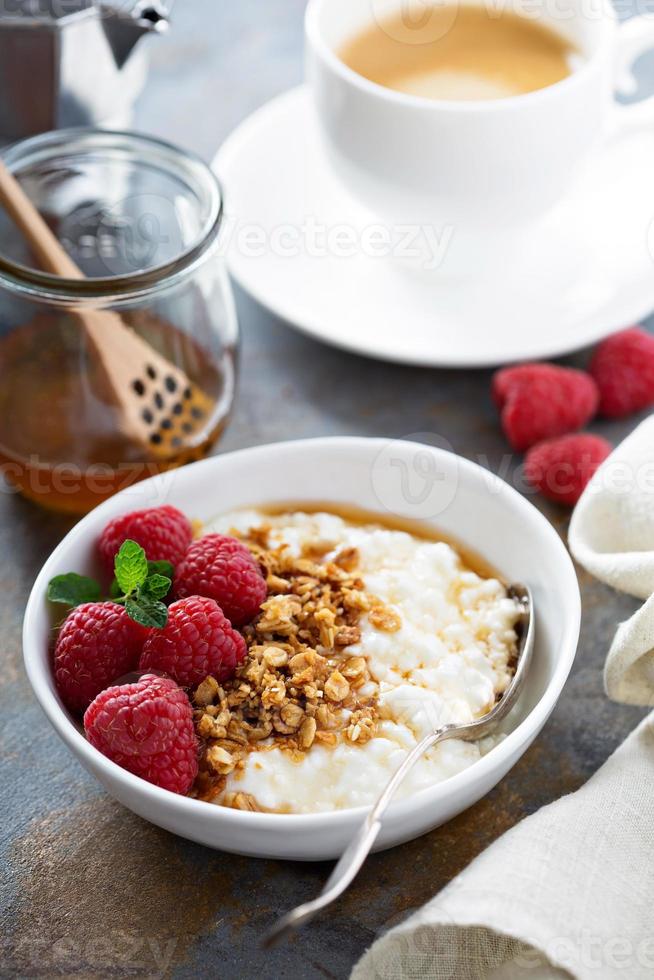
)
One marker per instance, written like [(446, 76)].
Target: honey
[(61, 442)]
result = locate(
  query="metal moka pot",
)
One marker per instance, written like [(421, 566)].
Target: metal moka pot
[(71, 62)]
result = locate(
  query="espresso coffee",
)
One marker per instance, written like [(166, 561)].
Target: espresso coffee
[(460, 52)]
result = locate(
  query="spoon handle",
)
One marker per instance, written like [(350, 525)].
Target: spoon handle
[(349, 864)]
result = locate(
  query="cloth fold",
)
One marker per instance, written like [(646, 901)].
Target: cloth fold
[(568, 892), (612, 536)]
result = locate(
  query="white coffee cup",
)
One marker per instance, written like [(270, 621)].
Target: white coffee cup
[(487, 169)]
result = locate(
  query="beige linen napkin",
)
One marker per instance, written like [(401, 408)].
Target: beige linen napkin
[(612, 536), (568, 892)]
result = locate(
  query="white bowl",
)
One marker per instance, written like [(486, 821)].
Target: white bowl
[(413, 480)]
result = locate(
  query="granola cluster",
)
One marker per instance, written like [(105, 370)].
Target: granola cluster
[(298, 685)]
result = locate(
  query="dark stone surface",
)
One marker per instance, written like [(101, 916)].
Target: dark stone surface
[(90, 890)]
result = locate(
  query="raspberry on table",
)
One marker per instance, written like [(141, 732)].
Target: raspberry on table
[(540, 401), (164, 533), (223, 569), (623, 369), (197, 641), (508, 379), (147, 728), (97, 644), (561, 468)]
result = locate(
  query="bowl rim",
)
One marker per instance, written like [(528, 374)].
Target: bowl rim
[(159, 798)]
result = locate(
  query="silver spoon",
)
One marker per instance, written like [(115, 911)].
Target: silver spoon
[(350, 862)]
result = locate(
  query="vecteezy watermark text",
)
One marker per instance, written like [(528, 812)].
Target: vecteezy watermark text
[(418, 22), (142, 230), (423, 244)]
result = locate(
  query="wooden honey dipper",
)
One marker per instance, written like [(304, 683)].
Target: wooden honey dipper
[(159, 406)]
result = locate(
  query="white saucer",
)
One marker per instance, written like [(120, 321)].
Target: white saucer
[(584, 272)]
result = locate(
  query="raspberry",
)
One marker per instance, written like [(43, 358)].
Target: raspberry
[(197, 641), (623, 367), (147, 728), (164, 533), (561, 468), (539, 401), (223, 569), (509, 379), (97, 644)]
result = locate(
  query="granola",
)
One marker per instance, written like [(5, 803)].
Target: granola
[(298, 684)]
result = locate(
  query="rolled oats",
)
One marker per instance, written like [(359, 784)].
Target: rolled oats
[(347, 559), (241, 801), (354, 668), (325, 717), (326, 738), (275, 656), (347, 635), (220, 760), (274, 694), (208, 727), (336, 687), (362, 727), (207, 691), (307, 733), (383, 618), (292, 715)]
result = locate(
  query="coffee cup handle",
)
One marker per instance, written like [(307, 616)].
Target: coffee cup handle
[(635, 37)]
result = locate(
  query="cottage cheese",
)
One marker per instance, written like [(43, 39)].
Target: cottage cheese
[(447, 663)]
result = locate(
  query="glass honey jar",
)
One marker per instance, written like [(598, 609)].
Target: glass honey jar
[(141, 220)]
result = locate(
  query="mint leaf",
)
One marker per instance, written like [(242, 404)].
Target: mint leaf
[(155, 587), (147, 611), (131, 566), (73, 589), (157, 570), (161, 568), (141, 585)]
